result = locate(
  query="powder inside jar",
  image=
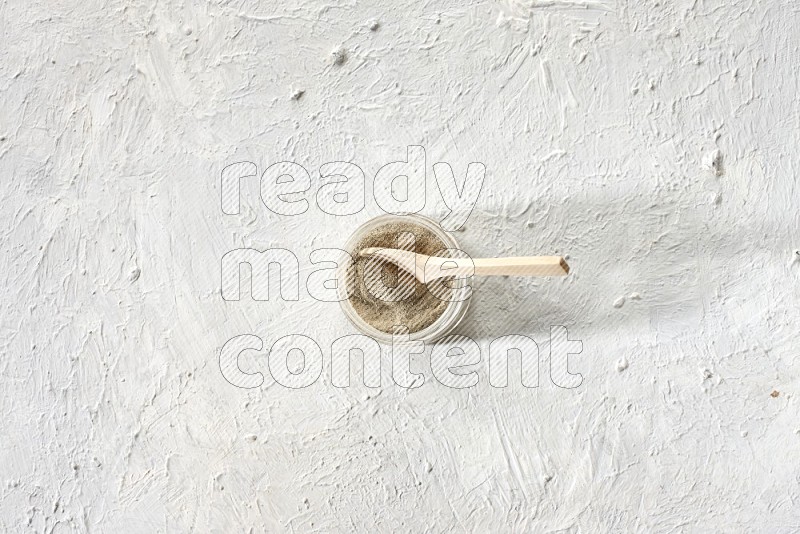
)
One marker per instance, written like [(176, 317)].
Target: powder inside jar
[(423, 303)]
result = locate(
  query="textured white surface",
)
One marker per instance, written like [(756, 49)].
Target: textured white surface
[(598, 123)]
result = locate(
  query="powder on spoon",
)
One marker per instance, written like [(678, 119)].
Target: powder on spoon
[(422, 307)]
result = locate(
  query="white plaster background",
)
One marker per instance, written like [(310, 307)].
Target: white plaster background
[(593, 118)]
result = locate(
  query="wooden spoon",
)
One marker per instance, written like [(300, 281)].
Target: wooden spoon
[(428, 268)]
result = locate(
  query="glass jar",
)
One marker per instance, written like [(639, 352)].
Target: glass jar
[(444, 324)]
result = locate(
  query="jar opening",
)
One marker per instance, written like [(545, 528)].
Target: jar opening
[(380, 297)]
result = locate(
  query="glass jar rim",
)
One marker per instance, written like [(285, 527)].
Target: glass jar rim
[(443, 325)]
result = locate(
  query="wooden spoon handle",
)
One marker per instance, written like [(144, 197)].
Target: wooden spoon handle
[(523, 266)]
